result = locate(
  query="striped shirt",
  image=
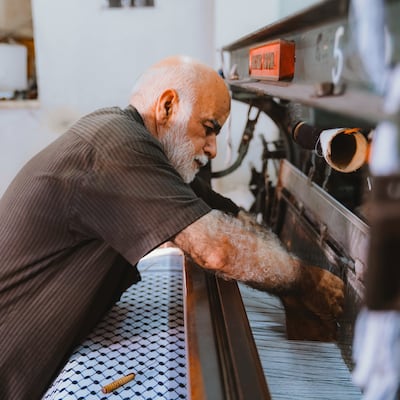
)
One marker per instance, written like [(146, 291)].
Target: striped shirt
[(72, 223)]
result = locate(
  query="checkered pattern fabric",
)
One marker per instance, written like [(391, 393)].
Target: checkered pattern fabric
[(143, 334)]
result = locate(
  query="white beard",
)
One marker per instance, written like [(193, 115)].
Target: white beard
[(180, 152)]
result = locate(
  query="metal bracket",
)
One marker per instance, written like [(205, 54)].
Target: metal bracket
[(244, 144)]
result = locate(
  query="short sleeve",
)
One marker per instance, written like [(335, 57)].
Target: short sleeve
[(134, 199)]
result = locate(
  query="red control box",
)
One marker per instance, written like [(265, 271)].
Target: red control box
[(273, 61)]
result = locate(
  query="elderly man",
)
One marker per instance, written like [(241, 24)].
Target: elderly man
[(83, 211)]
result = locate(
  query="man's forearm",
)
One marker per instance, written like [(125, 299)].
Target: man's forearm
[(240, 249), (234, 250)]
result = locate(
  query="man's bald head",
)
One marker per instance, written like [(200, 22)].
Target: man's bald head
[(184, 104), (192, 81)]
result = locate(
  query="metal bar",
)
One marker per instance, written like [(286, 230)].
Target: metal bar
[(348, 103), (204, 378), (222, 357), (349, 232), (313, 16)]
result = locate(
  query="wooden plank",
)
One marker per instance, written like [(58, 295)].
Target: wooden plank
[(222, 357)]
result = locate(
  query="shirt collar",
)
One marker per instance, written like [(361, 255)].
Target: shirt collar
[(134, 114)]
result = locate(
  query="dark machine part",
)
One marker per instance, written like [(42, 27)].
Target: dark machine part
[(321, 231), (299, 143), (278, 114), (319, 212), (243, 146), (262, 185), (383, 277), (305, 135), (348, 188), (304, 123), (343, 145)]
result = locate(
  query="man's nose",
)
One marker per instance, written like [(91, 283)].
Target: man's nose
[(210, 148)]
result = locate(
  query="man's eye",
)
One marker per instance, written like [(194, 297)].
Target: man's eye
[(209, 130)]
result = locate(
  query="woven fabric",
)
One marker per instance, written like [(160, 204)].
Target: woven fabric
[(143, 334), (294, 369)]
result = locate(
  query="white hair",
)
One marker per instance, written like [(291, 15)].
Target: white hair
[(181, 78), (179, 148)]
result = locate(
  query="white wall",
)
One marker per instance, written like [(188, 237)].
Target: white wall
[(88, 57), (22, 134)]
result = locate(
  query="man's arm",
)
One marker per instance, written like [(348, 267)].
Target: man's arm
[(236, 250)]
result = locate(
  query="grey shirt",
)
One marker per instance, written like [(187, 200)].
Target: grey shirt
[(73, 223)]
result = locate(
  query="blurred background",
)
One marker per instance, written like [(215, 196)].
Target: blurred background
[(62, 59)]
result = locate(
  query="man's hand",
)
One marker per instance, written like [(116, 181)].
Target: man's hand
[(322, 292), (311, 314)]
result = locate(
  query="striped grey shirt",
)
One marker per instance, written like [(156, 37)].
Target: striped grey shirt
[(72, 223)]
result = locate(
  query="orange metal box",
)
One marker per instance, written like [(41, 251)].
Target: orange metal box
[(273, 60)]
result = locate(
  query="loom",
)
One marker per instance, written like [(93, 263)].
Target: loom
[(195, 336), (307, 75)]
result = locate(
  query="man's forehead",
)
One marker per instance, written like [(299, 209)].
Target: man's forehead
[(214, 110), (213, 106)]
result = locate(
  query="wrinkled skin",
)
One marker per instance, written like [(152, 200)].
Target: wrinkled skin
[(315, 305)]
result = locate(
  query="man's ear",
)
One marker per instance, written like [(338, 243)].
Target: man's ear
[(166, 106)]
